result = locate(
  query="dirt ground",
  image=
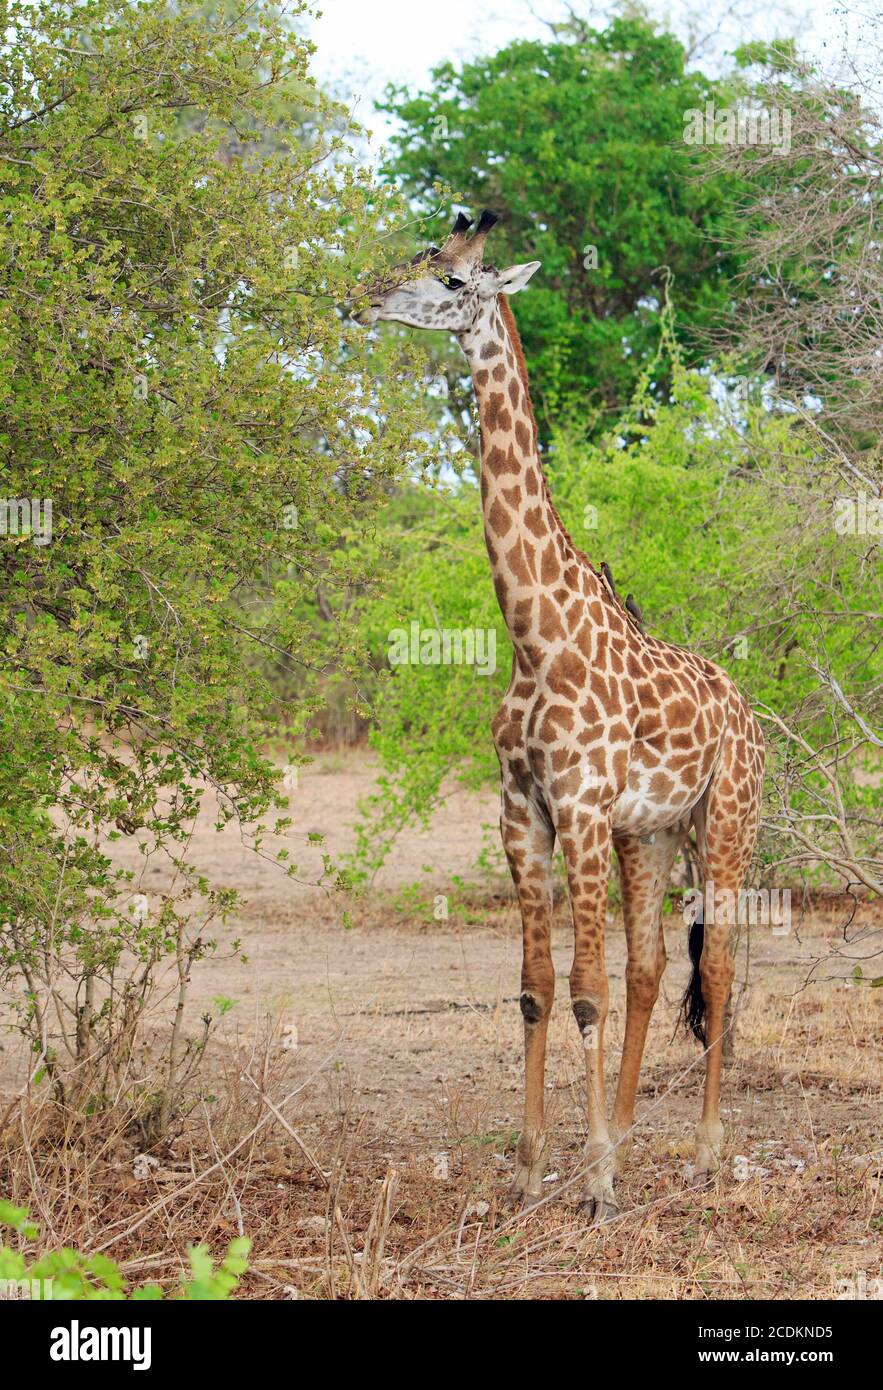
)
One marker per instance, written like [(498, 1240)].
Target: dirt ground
[(390, 1039)]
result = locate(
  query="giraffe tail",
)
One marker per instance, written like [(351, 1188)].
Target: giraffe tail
[(693, 1004)]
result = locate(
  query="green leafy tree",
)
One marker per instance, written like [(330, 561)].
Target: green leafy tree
[(187, 429), (578, 143)]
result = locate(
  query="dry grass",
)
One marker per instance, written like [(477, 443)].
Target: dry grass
[(373, 1160)]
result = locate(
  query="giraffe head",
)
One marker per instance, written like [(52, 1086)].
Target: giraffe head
[(444, 288)]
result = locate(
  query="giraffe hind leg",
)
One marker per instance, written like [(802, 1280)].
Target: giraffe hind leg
[(645, 870), (726, 825)]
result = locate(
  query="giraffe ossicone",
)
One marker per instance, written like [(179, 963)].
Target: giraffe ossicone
[(609, 740)]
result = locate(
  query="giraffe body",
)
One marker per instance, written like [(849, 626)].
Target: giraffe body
[(608, 739)]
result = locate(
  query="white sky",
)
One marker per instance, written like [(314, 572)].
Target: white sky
[(363, 44)]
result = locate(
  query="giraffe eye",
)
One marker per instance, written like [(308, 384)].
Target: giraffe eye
[(451, 283)]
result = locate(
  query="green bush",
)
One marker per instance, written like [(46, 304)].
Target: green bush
[(69, 1275)]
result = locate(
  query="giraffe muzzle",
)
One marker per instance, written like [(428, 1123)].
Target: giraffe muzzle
[(366, 315)]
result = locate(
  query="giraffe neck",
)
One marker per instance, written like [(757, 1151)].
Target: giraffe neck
[(533, 560)]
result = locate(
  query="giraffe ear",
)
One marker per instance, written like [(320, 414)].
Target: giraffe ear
[(516, 277)]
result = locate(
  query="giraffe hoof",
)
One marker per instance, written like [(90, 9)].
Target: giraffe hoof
[(705, 1178), (520, 1199), (598, 1212)]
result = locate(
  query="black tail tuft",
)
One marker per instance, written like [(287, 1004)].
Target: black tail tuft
[(693, 1005)]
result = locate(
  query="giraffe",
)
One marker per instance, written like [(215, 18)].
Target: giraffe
[(608, 740)]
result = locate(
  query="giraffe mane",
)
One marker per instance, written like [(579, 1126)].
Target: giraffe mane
[(521, 367)]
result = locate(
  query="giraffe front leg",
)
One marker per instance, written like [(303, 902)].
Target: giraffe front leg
[(586, 846), (532, 1152), (528, 839)]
